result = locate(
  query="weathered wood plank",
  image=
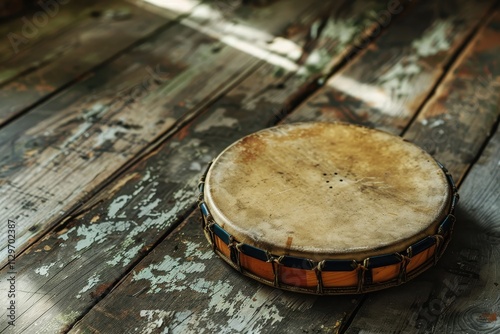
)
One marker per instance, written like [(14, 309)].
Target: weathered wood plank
[(87, 26), (77, 264), (52, 65), (438, 301), (171, 175), (386, 85)]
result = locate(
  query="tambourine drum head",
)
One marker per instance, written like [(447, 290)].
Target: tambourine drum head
[(327, 208)]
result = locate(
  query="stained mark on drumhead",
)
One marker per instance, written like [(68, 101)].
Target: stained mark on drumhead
[(252, 146)]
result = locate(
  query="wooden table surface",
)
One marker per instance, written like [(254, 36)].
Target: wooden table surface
[(110, 111)]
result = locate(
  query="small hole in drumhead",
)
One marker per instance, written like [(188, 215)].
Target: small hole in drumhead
[(335, 173), (324, 174), (327, 181), (341, 180), (331, 187)]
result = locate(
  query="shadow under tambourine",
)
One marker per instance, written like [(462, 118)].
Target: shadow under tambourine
[(472, 247)]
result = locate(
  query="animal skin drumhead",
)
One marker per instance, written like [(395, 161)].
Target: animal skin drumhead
[(333, 189)]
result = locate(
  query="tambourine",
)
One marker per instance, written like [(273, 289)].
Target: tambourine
[(327, 208)]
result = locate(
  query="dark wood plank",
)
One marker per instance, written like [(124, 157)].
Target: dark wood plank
[(60, 276), (444, 299), (54, 64), (391, 79), (18, 34), (86, 29)]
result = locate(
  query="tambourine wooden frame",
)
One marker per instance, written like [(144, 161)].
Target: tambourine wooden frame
[(329, 276)]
